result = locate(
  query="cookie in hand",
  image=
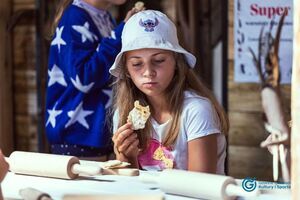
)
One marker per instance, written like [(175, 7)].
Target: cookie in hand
[(138, 116)]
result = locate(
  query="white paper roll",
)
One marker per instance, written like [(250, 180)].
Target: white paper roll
[(40, 164), (196, 184), (193, 184)]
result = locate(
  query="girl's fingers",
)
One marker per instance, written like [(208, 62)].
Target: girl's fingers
[(132, 12), (123, 136), (127, 142), (121, 130), (129, 14), (133, 148), (128, 125)]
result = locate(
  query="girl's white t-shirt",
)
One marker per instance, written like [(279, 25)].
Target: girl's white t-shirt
[(198, 119)]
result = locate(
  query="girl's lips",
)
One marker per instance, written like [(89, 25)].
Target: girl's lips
[(149, 84)]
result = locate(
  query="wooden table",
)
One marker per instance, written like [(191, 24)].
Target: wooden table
[(107, 184)]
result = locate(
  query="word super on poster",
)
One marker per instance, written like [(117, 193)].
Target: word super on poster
[(255, 19)]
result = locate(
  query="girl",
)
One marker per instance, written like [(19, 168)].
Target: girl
[(187, 125), (83, 48)]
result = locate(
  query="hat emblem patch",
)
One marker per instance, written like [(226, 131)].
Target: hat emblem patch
[(148, 24)]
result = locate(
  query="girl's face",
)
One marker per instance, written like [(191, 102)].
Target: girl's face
[(151, 70)]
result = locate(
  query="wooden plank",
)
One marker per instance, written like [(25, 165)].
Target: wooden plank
[(26, 126), (22, 127), (16, 2), (249, 162), (26, 103), (6, 122), (231, 12), (295, 147), (25, 86), (23, 4), (246, 129), (25, 144), (204, 7), (27, 132), (204, 62), (246, 96), (193, 25), (230, 29), (169, 8), (216, 22), (194, 17), (230, 43), (214, 4), (24, 81), (24, 41), (42, 53)]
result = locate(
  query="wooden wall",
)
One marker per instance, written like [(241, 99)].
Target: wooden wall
[(246, 158), (6, 124), (24, 76)]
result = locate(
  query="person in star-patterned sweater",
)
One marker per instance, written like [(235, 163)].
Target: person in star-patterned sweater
[(84, 46)]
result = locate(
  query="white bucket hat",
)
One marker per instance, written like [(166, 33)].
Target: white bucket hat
[(149, 29)]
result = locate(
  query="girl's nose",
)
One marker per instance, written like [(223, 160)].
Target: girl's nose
[(149, 72)]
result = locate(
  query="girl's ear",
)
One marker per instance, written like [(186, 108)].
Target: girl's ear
[(126, 72), (128, 75), (125, 75), (124, 68)]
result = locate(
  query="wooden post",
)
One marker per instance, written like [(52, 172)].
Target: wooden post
[(6, 98), (41, 71), (295, 138), (194, 32)]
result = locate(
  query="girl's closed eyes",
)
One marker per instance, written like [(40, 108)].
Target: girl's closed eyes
[(154, 63), (138, 62), (159, 61)]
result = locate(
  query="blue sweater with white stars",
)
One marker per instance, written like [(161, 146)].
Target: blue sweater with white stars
[(78, 75)]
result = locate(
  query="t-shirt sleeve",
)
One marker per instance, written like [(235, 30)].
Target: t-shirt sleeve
[(200, 119), (115, 121)]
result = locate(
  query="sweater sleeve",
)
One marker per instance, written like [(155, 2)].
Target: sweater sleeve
[(86, 55)]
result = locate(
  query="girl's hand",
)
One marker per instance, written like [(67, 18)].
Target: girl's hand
[(132, 12), (3, 166), (126, 144)]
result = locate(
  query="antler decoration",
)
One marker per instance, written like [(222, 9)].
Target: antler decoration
[(275, 122)]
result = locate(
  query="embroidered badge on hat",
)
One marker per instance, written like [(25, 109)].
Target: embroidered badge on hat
[(148, 24)]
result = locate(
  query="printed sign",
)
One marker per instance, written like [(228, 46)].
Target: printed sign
[(250, 19)]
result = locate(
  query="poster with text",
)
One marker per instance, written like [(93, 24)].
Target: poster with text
[(255, 17)]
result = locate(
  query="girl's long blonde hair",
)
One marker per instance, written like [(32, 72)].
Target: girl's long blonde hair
[(62, 5), (184, 79)]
